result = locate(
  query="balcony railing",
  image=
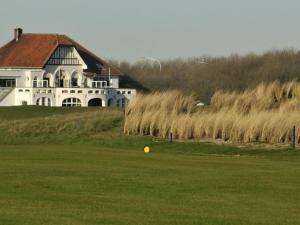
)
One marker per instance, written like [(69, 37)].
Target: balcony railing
[(99, 84), (68, 84), (40, 83)]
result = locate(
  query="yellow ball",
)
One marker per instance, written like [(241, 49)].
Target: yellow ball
[(146, 149)]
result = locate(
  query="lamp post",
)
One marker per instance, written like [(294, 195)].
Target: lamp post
[(203, 61), (109, 85), (154, 61)]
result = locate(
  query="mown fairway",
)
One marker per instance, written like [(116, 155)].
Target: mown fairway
[(77, 184), (105, 178)]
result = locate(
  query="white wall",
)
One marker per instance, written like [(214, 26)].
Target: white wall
[(23, 94), (12, 73), (114, 81), (10, 99), (19, 75), (28, 79), (57, 95)]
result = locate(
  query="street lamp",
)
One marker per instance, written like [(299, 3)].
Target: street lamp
[(203, 61), (154, 61)]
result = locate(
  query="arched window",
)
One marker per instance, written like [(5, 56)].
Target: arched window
[(38, 101), (118, 103), (46, 79), (56, 80), (65, 79), (71, 102), (43, 101), (74, 80), (34, 82), (125, 102), (95, 102), (62, 79), (110, 102), (122, 102)]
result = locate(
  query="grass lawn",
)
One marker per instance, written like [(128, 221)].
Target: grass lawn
[(101, 177), (107, 184), (27, 112)]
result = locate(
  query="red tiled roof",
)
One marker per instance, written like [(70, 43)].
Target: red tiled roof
[(34, 51)]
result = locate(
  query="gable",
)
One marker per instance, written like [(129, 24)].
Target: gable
[(66, 55), (93, 62), (38, 50)]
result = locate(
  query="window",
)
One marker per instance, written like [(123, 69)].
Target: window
[(34, 82), (45, 82), (49, 91), (64, 91), (110, 102), (27, 90), (71, 102), (129, 92), (99, 66), (79, 92), (119, 103), (24, 103), (100, 82), (123, 102), (72, 91), (96, 92), (90, 92), (7, 83), (46, 79), (74, 80), (43, 101), (20, 90)]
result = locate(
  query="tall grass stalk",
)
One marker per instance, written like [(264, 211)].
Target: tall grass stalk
[(266, 113)]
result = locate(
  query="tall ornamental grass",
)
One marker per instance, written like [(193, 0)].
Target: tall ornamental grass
[(266, 113)]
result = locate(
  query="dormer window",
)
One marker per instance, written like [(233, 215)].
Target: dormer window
[(99, 66)]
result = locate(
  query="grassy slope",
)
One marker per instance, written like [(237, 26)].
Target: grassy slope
[(58, 125), (109, 180), (20, 113)]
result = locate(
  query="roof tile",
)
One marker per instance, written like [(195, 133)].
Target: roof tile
[(34, 51)]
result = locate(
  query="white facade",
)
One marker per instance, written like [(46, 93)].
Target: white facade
[(62, 82)]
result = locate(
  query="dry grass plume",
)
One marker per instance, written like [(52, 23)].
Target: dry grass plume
[(263, 114)]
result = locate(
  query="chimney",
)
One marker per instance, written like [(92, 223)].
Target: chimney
[(18, 32)]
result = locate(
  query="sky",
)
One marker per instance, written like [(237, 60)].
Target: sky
[(162, 29)]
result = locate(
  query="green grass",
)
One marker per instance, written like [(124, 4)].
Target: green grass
[(102, 184), (58, 125), (61, 175), (26, 112)]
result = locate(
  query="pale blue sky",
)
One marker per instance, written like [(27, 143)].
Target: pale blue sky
[(130, 29)]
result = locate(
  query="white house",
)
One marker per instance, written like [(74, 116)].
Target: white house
[(54, 70)]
